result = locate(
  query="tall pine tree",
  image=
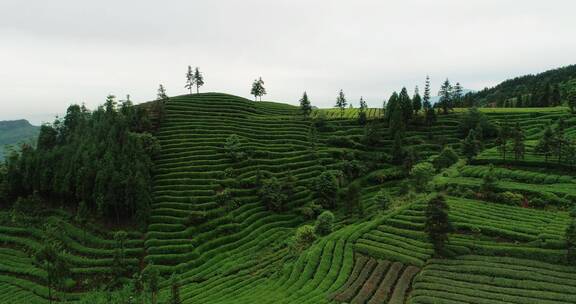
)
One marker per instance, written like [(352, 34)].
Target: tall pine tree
[(341, 103), (305, 105)]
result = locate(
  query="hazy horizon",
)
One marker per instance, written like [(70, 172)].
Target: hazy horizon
[(62, 52)]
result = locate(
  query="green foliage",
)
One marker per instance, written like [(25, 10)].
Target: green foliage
[(324, 223), (489, 182), (446, 101), (445, 159), (234, 149), (470, 146), (326, 188), (174, 290), (362, 117), (571, 241), (304, 237), (511, 198), (151, 278), (305, 105), (273, 195), (545, 145), (100, 157), (406, 106), (437, 224), (225, 199), (49, 259), (341, 103), (416, 102), (258, 89), (382, 199), (475, 120), (352, 199), (422, 174)]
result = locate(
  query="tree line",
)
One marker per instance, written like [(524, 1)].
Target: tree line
[(101, 160)]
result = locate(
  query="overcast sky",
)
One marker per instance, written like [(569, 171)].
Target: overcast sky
[(58, 52)]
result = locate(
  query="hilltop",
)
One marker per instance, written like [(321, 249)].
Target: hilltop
[(549, 88), (237, 188), (13, 132)]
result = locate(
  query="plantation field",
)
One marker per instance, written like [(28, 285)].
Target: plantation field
[(509, 249)]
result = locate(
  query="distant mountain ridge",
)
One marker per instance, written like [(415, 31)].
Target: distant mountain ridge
[(537, 88), (16, 131)]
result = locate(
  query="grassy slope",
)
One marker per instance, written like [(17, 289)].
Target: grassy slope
[(239, 256)]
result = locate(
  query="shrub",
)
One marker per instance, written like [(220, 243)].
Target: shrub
[(272, 195), (382, 199), (324, 223), (422, 175), (511, 198), (196, 217), (234, 149), (304, 237), (445, 159), (326, 188), (225, 199)]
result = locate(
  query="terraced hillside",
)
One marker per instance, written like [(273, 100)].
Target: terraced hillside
[(209, 226)]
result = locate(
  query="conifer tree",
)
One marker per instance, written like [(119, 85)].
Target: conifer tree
[(470, 145), (362, 111), (189, 79), (396, 124), (457, 95), (305, 105), (161, 93), (405, 105), (446, 96), (555, 98), (198, 79), (341, 103), (416, 102), (426, 99), (502, 139), (437, 223), (390, 106)]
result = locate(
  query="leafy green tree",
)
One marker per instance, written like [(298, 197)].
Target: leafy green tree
[(470, 146), (398, 150), (161, 95), (570, 236), (272, 195), (489, 182), (437, 223), (474, 119), (305, 105), (119, 266), (324, 223), (258, 89), (445, 93), (445, 159), (502, 140), (545, 145), (198, 79), (151, 277), (572, 101), (382, 199), (362, 118), (422, 174), (175, 290), (50, 260), (234, 149), (326, 188), (82, 216), (555, 98), (352, 199), (341, 103), (518, 145), (410, 159), (416, 101), (189, 79), (304, 237)]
